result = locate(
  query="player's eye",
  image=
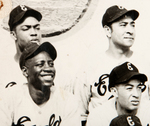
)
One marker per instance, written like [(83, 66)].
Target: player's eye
[(133, 24), (129, 88), (141, 87), (51, 64), (24, 28), (41, 64), (38, 28), (123, 24)]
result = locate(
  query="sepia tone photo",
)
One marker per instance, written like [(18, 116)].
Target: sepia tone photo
[(74, 62)]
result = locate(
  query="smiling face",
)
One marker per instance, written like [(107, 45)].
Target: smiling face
[(40, 70), (27, 32), (129, 94), (123, 32)]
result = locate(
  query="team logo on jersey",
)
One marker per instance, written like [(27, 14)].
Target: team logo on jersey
[(101, 87), (23, 7), (130, 121), (21, 121), (129, 66), (52, 122)]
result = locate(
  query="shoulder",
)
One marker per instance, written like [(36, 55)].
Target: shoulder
[(13, 93), (105, 108), (144, 113), (102, 114), (61, 95), (10, 98), (65, 102)]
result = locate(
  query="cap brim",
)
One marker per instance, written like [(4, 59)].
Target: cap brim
[(135, 75), (34, 13), (27, 13), (47, 47), (133, 13)]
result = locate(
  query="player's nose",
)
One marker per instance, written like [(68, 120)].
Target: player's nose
[(33, 32), (130, 30), (136, 93), (48, 67)]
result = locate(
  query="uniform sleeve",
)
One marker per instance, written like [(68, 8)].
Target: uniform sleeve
[(92, 119), (5, 108), (83, 94), (144, 113), (97, 117)]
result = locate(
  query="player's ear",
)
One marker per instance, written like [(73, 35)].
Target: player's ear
[(114, 91), (13, 35), (107, 31), (25, 71)]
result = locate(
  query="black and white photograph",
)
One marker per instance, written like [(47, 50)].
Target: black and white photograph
[(74, 63)]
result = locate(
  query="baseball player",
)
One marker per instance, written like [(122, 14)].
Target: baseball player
[(24, 24), (39, 102), (92, 81), (126, 84)]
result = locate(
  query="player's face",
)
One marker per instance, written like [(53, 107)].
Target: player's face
[(123, 32), (40, 70), (129, 94), (27, 32)]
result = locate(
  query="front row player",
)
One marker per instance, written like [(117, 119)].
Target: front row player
[(126, 84), (39, 102)]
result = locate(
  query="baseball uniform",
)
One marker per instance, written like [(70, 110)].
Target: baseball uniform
[(10, 71), (17, 107), (92, 83)]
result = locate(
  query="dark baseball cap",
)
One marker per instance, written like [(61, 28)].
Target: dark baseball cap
[(33, 49), (115, 12), (126, 120), (19, 13), (123, 73)]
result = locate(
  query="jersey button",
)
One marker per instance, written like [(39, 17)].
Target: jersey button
[(40, 112)]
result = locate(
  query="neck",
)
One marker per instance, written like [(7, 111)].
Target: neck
[(118, 53), (39, 96), (18, 53), (123, 111)]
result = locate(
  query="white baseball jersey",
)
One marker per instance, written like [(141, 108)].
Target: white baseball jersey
[(10, 70), (92, 83), (18, 108), (104, 114)]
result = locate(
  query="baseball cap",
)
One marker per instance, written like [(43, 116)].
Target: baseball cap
[(115, 12), (126, 120), (19, 13), (33, 49), (123, 73)]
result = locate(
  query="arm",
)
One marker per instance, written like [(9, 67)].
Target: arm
[(71, 113), (5, 109), (97, 118), (83, 94)]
